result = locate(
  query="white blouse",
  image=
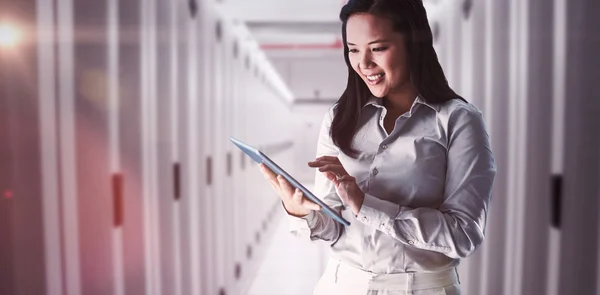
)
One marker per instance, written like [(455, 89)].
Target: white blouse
[(427, 187)]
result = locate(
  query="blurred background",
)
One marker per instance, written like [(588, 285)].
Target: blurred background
[(117, 175)]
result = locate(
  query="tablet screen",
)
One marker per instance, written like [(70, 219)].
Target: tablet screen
[(259, 158)]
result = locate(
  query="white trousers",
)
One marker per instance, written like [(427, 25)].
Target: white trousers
[(342, 279)]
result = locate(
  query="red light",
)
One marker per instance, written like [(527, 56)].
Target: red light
[(8, 194)]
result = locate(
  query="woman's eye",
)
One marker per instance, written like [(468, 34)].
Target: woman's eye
[(353, 50), (379, 49)]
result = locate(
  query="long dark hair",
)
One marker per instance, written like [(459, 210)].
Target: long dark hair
[(426, 75)]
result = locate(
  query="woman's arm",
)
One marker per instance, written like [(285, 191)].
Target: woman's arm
[(316, 224)]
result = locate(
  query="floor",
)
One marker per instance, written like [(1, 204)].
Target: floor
[(292, 266)]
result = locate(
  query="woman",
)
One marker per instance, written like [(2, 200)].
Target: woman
[(401, 156)]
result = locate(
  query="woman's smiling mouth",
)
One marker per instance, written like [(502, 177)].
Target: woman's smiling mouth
[(375, 79)]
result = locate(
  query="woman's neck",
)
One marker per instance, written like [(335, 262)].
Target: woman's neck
[(401, 101)]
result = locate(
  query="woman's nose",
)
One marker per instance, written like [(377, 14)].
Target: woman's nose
[(365, 61)]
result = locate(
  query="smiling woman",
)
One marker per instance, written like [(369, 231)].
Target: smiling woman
[(391, 42), (378, 54), (401, 156)]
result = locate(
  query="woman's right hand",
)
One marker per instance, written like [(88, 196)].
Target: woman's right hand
[(293, 199)]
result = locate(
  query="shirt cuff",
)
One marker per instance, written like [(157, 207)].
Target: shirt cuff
[(301, 225), (377, 213)]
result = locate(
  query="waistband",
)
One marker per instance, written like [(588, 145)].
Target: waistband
[(344, 272)]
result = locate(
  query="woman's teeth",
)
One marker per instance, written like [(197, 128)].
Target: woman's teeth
[(375, 79)]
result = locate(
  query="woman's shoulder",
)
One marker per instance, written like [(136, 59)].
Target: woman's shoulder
[(458, 108), (330, 113), (328, 116), (458, 105), (457, 112)]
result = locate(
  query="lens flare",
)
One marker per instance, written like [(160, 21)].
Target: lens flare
[(9, 35)]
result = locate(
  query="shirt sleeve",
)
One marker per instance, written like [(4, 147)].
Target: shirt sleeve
[(457, 227), (317, 225)]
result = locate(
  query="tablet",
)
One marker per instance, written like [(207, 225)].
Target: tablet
[(261, 158)]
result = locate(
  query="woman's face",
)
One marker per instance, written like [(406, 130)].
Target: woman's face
[(377, 53)]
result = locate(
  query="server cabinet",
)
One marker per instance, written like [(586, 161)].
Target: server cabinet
[(130, 147), (22, 229), (496, 113), (168, 162), (473, 83), (579, 269), (92, 164), (54, 280), (208, 123)]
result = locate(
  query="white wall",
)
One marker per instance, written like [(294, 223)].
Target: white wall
[(307, 123), (314, 76)]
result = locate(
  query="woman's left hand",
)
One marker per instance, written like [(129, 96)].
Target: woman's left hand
[(346, 185)]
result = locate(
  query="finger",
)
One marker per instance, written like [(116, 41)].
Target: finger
[(328, 158), (332, 177), (276, 188), (323, 161), (273, 182), (266, 171), (271, 177), (315, 164), (285, 186), (305, 202), (336, 169)]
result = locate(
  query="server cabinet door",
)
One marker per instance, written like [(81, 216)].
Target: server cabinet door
[(22, 254), (130, 149), (496, 111)]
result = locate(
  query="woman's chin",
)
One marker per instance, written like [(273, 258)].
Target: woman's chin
[(378, 92)]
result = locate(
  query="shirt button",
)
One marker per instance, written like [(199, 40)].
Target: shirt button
[(382, 225), (411, 242), (375, 171), (384, 147), (364, 219)]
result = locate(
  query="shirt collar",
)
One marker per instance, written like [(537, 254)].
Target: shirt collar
[(435, 107), (374, 101), (378, 102)]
